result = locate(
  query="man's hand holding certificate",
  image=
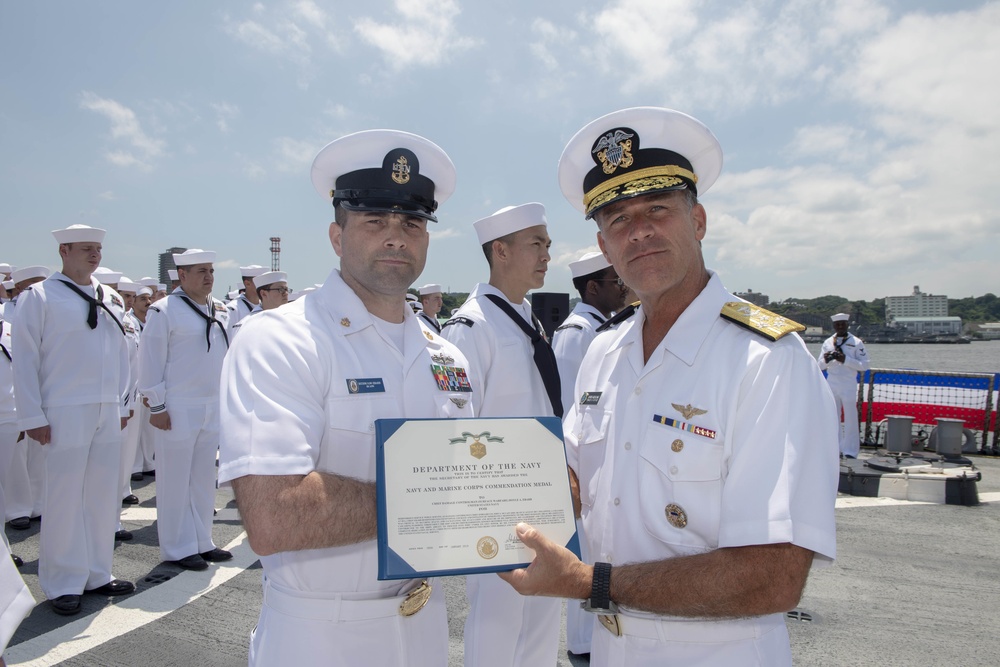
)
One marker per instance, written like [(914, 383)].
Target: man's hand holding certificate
[(451, 491)]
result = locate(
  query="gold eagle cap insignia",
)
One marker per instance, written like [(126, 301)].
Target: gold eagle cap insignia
[(688, 411)]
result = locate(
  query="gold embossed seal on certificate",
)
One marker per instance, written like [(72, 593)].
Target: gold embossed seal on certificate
[(451, 491)]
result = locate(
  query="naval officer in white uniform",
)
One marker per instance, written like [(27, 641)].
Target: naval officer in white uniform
[(71, 378), (302, 387), (504, 343), (180, 361), (701, 437), (843, 356)]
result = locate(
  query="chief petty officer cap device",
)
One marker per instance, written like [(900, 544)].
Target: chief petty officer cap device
[(385, 171)]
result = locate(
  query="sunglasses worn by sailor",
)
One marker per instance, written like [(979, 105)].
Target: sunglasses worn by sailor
[(279, 290)]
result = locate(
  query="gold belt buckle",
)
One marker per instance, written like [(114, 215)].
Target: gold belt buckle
[(415, 599), (611, 623)]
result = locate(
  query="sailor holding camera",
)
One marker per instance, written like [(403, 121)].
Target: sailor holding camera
[(843, 356)]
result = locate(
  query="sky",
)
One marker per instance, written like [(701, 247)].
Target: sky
[(861, 138)]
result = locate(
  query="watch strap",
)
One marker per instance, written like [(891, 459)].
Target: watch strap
[(600, 587)]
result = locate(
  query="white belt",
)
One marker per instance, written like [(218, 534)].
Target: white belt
[(662, 629), (335, 607)]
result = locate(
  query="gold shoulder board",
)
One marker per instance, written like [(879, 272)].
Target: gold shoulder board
[(756, 319)]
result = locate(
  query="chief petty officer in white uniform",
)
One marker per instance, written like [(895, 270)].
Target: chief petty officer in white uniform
[(180, 361), (301, 389), (702, 437), (843, 356), (492, 329), (71, 377)]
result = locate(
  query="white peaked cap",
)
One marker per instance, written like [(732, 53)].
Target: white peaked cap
[(637, 151), (79, 234), (385, 170), (147, 281), (589, 263), (433, 288), (172, 274), (840, 317), (194, 256), (508, 220), (269, 278), (29, 272)]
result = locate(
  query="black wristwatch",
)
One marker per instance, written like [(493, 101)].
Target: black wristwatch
[(600, 592)]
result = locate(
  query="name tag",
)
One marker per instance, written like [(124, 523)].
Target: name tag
[(590, 398), (365, 386)]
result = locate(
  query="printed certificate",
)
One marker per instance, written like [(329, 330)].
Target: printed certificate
[(450, 492)]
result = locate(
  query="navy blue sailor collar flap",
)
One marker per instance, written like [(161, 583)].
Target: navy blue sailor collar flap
[(692, 328)]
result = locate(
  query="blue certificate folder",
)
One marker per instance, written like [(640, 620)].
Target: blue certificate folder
[(443, 438)]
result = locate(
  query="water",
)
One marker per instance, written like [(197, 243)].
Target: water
[(976, 357)]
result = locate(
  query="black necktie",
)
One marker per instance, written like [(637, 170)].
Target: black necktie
[(94, 305), (209, 321), (545, 358)]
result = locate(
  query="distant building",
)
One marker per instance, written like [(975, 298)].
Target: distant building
[(918, 304), (989, 330), (930, 326), (755, 298), (167, 263)]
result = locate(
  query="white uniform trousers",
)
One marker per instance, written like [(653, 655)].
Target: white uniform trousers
[(185, 480), (296, 628), (8, 441), (81, 498), (130, 443), (8, 450), (847, 405), (505, 628), (147, 436), (16, 601), (18, 499), (647, 642), (579, 623), (36, 456)]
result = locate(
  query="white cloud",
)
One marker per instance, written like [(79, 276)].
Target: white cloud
[(311, 13), (227, 264), (293, 155), (254, 171), (551, 40), (426, 36), (224, 113), (125, 127), (726, 57), (108, 195)]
